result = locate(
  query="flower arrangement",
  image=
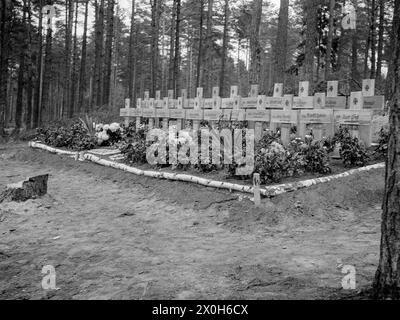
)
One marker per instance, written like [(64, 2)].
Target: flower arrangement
[(108, 134)]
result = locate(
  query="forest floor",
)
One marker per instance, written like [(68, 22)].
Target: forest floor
[(112, 235)]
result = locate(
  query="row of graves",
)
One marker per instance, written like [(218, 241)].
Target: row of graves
[(319, 115)]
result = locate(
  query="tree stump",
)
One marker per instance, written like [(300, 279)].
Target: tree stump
[(22, 191)]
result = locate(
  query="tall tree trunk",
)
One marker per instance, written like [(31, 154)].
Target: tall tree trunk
[(380, 40), (281, 43), (255, 47), (373, 39), (132, 55), (67, 112), (387, 278), (155, 25), (38, 90), (21, 73), (99, 54), (172, 47), (177, 56), (30, 85), (354, 55), (311, 13), (208, 56), (47, 76), (328, 62), (368, 42), (200, 56), (224, 49), (74, 72), (108, 53), (82, 72)]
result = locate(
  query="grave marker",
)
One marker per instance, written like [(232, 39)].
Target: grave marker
[(356, 100), (358, 121), (149, 109), (304, 89), (125, 112), (278, 90), (320, 100), (284, 120), (288, 102), (368, 89), (317, 121), (332, 89)]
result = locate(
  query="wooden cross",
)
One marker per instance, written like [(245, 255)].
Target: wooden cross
[(370, 101), (303, 101), (333, 101)]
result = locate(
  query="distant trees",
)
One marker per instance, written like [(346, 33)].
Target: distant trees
[(85, 59)]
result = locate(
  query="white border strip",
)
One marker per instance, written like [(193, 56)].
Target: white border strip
[(269, 191)]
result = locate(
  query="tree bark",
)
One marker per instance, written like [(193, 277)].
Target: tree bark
[(132, 55), (380, 39), (224, 49), (387, 278), (30, 85), (328, 61), (108, 53), (99, 54), (82, 72), (368, 42), (281, 43), (155, 25), (38, 91), (177, 57), (373, 40), (311, 35), (21, 74), (172, 47), (208, 56), (200, 51), (255, 47)]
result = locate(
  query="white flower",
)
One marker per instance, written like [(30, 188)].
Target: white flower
[(106, 127), (114, 127), (99, 127)]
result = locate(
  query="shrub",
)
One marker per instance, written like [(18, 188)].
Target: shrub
[(383, 142), (74, 137), (134, 146), (352, 151), (316, 157)]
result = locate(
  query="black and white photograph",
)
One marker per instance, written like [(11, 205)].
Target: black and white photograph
[(198, 156)]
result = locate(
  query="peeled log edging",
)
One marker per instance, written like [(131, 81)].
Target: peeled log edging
[(269, 191)]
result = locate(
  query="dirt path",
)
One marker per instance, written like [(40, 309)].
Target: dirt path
[(111, 235)]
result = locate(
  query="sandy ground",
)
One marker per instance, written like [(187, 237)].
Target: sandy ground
[(111, 235)]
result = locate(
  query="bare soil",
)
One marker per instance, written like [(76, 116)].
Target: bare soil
[(112, 235)]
